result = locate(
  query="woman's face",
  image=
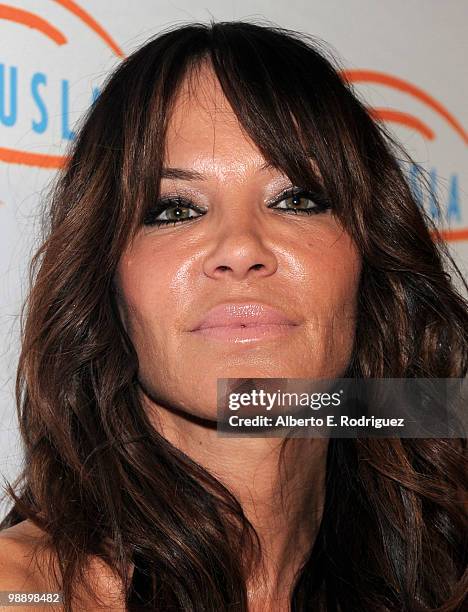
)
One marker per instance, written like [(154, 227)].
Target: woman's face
[(284, 284)]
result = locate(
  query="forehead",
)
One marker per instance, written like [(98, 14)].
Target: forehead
[(203, 131)]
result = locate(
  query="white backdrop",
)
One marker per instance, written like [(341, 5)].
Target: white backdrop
[(408, 57)]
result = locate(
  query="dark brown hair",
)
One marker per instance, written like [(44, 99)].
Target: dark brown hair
[(98, 477)]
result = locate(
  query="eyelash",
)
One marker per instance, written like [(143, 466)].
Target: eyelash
[(321, 205)]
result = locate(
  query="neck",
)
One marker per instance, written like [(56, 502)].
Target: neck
[(282, 494)]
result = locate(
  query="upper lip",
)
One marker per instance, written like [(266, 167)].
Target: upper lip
[(236, 314)]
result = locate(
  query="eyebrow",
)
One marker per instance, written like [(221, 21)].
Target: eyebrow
[(191, 175)]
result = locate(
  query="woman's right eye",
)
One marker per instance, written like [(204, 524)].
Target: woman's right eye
[(171, 210)]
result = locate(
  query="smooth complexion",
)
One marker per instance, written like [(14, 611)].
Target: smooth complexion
[(238, 251)]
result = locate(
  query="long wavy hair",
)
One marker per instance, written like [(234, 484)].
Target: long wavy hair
[(100, 480)]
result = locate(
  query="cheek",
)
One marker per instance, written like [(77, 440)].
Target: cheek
[(142, 283), (331, 291), (334, 270)]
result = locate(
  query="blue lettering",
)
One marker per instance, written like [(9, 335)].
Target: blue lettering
[(66, 132), (434, 209), (96, 94), (39, 79), (453, 207), (415, 184), (10, 119)]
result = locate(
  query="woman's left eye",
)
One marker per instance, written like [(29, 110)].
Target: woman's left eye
[(302, 201)]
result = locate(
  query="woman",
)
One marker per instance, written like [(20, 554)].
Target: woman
[(228, 174)]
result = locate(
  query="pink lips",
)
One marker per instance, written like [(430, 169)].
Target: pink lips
[(244, 322)]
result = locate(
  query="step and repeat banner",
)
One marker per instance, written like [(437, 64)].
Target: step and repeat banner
[(406, 59)]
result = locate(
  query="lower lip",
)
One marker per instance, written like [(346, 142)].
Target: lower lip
[(245, 335)]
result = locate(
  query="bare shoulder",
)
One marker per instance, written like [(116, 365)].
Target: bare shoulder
[(21, 556), (24, 562), (27, 564)]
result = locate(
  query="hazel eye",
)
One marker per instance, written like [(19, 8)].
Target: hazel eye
[(176, 213), (301, 201), (171, 210)]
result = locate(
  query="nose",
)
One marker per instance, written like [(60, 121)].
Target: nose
[(240, 251)]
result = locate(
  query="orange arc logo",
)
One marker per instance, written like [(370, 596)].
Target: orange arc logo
[(394, 116), (38, 23), (370, 76), (86, 18), (32, 21)]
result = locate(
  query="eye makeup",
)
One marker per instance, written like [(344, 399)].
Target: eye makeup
[(175, 209)]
